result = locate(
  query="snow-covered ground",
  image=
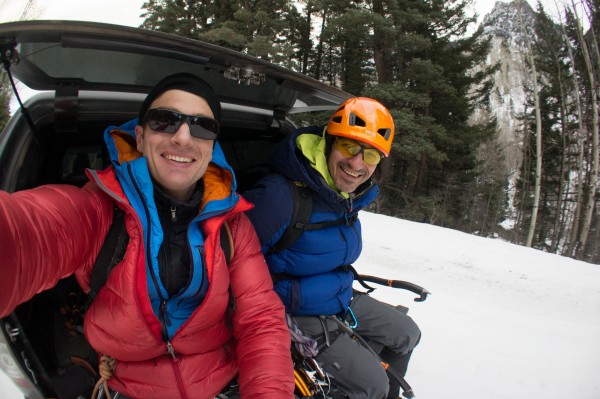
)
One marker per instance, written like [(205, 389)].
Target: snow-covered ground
[(503, 321)]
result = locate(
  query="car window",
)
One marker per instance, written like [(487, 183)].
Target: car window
[(129, 71), (79, 158)]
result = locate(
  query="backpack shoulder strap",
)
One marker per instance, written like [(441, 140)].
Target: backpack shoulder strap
[(300, 222), (227, 241), (110, 254), (302, 205), (228, 249)]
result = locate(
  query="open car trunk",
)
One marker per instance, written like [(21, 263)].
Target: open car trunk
[(90, 76)]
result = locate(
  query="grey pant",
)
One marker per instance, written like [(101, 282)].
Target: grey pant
[(353, 368)]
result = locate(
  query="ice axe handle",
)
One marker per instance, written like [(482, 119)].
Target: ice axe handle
[(405, 285)]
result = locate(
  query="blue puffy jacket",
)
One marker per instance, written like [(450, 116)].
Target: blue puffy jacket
[(309, 274)]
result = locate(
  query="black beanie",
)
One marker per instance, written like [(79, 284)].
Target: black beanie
[(186, 82)]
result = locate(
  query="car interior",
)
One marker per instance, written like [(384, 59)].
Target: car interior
[(50, 343)]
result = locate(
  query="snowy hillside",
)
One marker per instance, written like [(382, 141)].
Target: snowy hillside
[(503, 321)]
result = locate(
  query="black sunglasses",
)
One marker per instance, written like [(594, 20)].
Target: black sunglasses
[(167, 121)]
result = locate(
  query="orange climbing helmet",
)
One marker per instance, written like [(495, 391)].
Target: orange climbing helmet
[(366, 120)]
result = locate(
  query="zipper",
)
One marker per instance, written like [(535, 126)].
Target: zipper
[(176, 372), (180, 384), (163, 313), (163, 317)]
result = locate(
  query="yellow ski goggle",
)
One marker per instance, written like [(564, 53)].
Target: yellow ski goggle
[(349, 148)]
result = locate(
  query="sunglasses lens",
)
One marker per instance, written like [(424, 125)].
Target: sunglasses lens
[(204, 128), (162, 120), (371, 156), (350, 148)]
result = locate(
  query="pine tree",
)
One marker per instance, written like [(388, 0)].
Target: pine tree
[(429, 92), (263, 28)]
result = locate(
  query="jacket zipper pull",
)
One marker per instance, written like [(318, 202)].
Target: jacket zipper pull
[(173, 214), (171, 350)]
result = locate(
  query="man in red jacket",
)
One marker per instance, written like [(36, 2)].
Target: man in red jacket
[(160, 323)]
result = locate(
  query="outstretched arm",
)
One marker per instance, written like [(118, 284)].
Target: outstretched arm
[(48, 233)]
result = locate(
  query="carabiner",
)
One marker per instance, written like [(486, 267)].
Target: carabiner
[(354, 321)]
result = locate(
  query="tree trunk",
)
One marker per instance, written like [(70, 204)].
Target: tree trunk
[(589, 202), (319, 59), (580, 134), (525, 186), (538, 141), (306, 43), (573, 243), (594, 246), (559, 220), (381, 48)]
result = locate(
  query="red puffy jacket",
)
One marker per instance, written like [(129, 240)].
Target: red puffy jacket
[(53, 231)]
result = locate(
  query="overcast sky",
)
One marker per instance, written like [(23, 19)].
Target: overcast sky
[(127, 12), (120, 12)]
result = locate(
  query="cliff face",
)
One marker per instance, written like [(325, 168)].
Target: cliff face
[(507, 100)]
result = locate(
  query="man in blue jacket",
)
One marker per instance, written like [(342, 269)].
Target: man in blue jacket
[(340, 164)]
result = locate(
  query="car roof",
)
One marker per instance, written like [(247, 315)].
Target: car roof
[(70, 56)]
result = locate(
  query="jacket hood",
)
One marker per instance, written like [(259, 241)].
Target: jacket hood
[(289, 161), (219, 179)]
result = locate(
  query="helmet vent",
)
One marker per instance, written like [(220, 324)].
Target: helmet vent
[(355, 120), (337, 119), (385, 132)]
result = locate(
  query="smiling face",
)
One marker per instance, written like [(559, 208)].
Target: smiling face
[(348, 172), (176, 161)]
